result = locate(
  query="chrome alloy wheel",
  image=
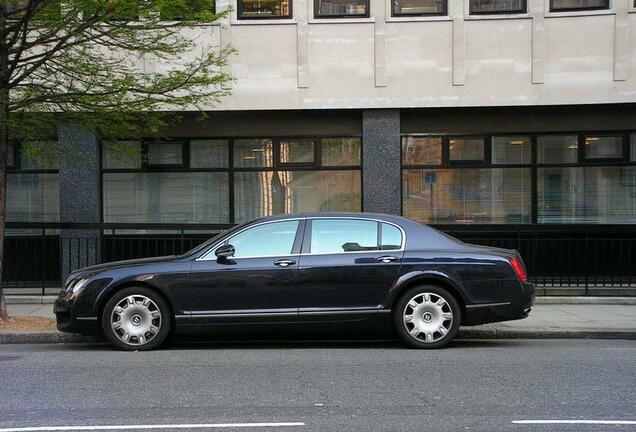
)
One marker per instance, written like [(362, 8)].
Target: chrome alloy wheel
[(136, 320), (427, 317)]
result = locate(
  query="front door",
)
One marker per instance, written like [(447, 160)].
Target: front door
[(347, 267), (257, 283)]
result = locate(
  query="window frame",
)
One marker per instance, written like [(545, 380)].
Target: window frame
[(276, 146), (231, 169), (396, 14), (534, 165), (145, 155), (306, 244), (471, 11), (485, 160), (318, 15), (240, 16), (582, 9), (582, 150)]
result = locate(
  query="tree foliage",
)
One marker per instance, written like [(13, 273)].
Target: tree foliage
[(90, 62)]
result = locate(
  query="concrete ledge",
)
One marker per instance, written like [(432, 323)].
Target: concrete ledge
[(30, 299), (586, 300), (40, 338)]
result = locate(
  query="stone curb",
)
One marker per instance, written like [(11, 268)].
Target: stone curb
[(465, 333)]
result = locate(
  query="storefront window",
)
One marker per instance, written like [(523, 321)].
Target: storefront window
[(633, 147), (192, 181), (268, 193), (555, 149), (603, 147), (422, 150), (340, 151), (253, 153), (587, 195), (166, 197), (485, 196), (462, 149), (209, 153), (511, 150), (33, 183)]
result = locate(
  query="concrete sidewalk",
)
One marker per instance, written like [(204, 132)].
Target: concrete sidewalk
[(547, 321)]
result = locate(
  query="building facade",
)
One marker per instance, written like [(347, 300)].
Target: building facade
[(505, 122)]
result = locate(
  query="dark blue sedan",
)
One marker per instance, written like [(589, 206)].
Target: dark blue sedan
[(302, 269)]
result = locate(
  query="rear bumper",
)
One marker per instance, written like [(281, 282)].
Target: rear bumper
[(506, 311)]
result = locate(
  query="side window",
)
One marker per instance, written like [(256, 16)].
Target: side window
[(272, 239), (391, 237), (343, 235)]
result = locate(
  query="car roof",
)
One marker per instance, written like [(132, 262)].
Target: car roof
[(360, 215)]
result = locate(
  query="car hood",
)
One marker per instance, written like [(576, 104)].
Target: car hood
[(121, 264)]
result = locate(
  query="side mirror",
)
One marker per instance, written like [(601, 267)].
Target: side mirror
[(224, 252)]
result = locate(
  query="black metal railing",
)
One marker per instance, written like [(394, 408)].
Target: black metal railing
[(572, 259)]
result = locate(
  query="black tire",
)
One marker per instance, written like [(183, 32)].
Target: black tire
[(438, 339), (162, 323)]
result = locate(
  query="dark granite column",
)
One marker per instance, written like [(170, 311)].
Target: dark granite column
[(381, 176), (80, 197)]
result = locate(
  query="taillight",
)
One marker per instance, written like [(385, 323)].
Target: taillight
[(520, 270)]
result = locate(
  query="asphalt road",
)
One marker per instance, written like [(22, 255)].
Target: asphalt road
[(334, 386)]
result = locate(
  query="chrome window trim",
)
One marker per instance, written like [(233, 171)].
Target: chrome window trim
[(205, 255)]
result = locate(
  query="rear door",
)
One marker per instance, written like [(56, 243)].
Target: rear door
[(347, 267)]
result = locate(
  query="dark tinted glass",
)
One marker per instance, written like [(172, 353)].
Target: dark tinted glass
[(511, 150), (343, 235), (341, 8), (165, 153), (39, 155), (297, 151), (557, 5), (419, 7), (253, 153), (121, 155), (554, 149), (208, 154), (264, 9), (497, 6), (603, 147)]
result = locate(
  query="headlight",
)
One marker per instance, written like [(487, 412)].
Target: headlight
[(81, 283)]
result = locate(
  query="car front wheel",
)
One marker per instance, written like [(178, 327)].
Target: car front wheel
[(136, 319), (427, 317)]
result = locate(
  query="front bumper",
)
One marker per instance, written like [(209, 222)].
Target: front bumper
[(506, 311), (68, 322)]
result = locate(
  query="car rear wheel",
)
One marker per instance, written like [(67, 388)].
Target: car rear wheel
[(136, 319), (427, 316)]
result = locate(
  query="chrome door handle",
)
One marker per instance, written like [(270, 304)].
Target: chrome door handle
[(284, 263), (386, 259)]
